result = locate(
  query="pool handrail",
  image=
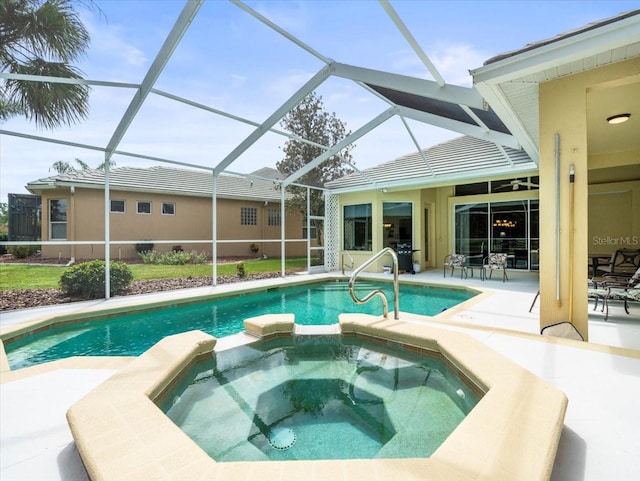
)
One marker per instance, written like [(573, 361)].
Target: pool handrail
[(378, 292), (350, 266)]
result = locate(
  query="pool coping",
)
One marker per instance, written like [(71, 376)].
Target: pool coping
[(126, 305), (512, 433)]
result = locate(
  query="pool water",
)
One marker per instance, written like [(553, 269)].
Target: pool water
[(132, 334), (318, 398)]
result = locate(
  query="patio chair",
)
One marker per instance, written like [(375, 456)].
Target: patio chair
[(493, 262), (621, 289), (597, 292), (453, 261), (623, 261)]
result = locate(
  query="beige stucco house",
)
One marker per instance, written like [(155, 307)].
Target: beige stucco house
[(170, 207), (572, 190)]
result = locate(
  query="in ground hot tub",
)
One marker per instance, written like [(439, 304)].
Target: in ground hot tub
[(319, 397), (511, 433)]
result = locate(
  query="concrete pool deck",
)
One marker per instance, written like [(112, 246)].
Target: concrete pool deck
[(602, 383)]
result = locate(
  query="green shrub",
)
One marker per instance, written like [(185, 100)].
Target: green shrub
[(22, 252), (174, 258), (241, 270), (86, 280), (3, 238), (150, 257)]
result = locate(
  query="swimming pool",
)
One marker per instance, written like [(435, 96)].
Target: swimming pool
[(132, 334), (318, 397)]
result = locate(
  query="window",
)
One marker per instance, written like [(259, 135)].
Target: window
[(58, 219), (472, 189), (510, 227), (357, 227), (118, 206), (143, 207), (168, 208), (248, 216), (397, 223), (274, 217)]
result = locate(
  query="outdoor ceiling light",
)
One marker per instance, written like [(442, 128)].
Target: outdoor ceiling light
[(618, 119)]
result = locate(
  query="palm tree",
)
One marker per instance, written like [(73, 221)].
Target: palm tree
[(64, 167), (42, 37)]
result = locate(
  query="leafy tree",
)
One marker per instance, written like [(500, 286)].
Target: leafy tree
[(64, 167), (310, 120), (4, 217), (42, 37)]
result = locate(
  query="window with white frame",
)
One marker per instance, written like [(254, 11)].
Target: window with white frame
[(143, 207), (168, 208), (357, 227), (118, 206), (273, 217), (248, 216), (58, 219)]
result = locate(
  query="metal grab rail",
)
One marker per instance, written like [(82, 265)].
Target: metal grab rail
[(347, 265), (378, 292)]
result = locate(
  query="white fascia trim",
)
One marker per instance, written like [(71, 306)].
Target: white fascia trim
[(608, 37), (147, 190), (440, 180)]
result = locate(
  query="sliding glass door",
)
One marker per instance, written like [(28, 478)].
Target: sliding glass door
[(472, 231), (509, 227)]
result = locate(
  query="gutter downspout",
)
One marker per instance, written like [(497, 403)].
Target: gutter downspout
[(557, 157), (572, 175), (107, 231)]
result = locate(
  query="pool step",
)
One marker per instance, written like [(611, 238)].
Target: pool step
[(343, 286)]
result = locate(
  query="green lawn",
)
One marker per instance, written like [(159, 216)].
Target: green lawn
[(23, 276)]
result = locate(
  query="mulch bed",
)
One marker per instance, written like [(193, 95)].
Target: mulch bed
[(30, 298)]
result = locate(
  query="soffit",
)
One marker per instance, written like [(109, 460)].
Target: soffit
[(510, 81)]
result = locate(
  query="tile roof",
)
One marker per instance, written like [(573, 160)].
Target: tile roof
[(463, 156), (167, 180), (562, 36)]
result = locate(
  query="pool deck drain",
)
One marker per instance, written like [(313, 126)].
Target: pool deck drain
[(282, 438)]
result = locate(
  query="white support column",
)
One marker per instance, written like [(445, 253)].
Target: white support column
[(107, 231), (308, 229), (214, 229), (283, 245)]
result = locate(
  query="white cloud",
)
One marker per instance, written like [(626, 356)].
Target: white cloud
[(110, 47), (453, 61)]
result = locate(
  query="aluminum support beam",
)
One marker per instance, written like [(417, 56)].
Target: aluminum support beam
[(282, 32), (461, 127), (275, 117), (235, 117), (349, 139), (416, 86), (64, 80), (412, 41), (415, 142), (101, 149), (179, 28)]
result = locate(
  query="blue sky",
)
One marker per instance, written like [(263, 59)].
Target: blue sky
[(230, 61)]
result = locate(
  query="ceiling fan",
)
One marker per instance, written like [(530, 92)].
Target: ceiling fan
[(516, 183)]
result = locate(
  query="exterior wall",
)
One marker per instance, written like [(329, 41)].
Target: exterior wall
[(441, 204), (376, 199), (563, 111), (192, 222)]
